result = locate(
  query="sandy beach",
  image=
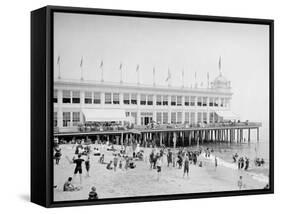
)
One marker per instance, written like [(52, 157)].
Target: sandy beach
[(142, 181)]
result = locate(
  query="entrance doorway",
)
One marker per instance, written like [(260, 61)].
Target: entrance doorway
[(146, 118)]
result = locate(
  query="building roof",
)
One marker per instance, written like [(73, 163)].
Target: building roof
[(133, 87), (220, 79), (104, 115)]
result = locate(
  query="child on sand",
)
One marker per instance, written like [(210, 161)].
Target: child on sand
[(68, 186), (109, 167), (120, 164), (240, 183), (93, 194), (101, 160)]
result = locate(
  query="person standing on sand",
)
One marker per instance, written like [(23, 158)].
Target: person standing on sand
[(169, 157), (57, 155), (186, 166), (78, 167), (246, 164), (240, 183), (174, 155), (216, 162), (151, 159), (159, 163), (87, 165), (115, 162), (242, 163)]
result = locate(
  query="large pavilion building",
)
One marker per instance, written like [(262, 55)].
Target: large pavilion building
[(80, 101)]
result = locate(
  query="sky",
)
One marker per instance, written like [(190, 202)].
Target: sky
[(177, 45)]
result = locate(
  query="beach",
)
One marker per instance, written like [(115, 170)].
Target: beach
[(142, 181)]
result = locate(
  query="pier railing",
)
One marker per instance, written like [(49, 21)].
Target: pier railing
[(153, 126)]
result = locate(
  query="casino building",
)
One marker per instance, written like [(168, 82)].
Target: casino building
[(80, 101)]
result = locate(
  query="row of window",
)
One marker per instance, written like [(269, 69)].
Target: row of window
[(68, 119), (189, 117), (161, 100), (73, 118)]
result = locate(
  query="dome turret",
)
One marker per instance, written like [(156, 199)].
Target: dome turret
[(220, 81)]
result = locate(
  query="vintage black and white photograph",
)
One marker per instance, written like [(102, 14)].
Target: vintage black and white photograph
[(151, 106)]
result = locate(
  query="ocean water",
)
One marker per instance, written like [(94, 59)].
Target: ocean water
[(252, 150)]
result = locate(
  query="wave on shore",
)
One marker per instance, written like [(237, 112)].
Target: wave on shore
[(257, 176)]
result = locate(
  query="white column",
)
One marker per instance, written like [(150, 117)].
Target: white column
[(59, 111), (169, 108), (121, 98), (154, 107), (102, 97)]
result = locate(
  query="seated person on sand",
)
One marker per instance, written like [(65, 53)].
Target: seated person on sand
[(96, 152), (132, 164), (68, 186), (139, 156), (93, 194), (101, 160), (111, 148), (109, 166)]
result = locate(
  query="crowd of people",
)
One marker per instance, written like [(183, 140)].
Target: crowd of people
[(244, 162), (118, 158), (107, 126)]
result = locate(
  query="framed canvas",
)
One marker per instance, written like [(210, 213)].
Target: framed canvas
[(131, 106)]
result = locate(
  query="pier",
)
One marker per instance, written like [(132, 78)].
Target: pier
[(173, 135)]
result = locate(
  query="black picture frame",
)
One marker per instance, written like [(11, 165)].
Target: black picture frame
[(42, 106)]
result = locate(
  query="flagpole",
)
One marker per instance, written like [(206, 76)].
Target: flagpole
[(59, 71), (59, 67), (195, 85), (208, 80), (81, 66), (102, 80), (153, 76), (169, 81), (121, 80), (183, 78), (101, 67), (220, 66), (138, 74)]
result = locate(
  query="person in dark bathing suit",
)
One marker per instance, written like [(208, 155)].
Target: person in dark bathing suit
[(169, 157), (78, 167), (186, 166), (57, 155), (109, 167)]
